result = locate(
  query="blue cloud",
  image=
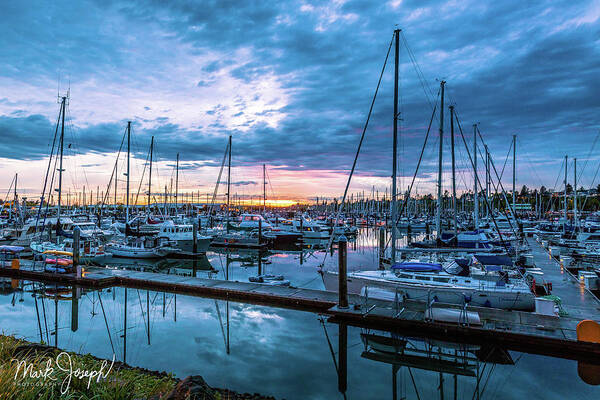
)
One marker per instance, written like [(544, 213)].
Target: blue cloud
[(526, 70)]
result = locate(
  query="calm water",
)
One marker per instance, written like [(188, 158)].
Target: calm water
[(283, 353)]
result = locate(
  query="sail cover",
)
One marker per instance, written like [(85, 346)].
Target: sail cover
[(418, 267), (487, 259)]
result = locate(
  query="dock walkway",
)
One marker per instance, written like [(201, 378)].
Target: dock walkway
[(577, 301)]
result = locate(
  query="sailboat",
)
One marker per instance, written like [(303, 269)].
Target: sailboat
[(450, 282), (439, 282)]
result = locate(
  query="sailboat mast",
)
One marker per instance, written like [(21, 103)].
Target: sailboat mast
[(228, 180), (453, 173), (128, 169), (62, 141), (150, 175), (438, 216), (514, 194), (176, 184), (475, 191), (264, 188), (395, 146), (16, 203), (565, 196), (574, 188), (487, 181)]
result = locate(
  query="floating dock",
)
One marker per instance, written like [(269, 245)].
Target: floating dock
[(513, 330), (579, 302)]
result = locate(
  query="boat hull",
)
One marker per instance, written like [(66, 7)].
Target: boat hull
[(132, 253), (482, 298)]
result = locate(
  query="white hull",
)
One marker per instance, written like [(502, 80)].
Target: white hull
[(422, 292), (132, 252)]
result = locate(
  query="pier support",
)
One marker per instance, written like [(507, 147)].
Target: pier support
[(259, 231), (76, 265), (195, 237), (74, 307), (194, 247), (381, 247), (343, 271)]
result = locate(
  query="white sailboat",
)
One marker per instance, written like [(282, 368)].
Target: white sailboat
[(432, 282)]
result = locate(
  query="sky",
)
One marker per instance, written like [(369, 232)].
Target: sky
[(292, 82)]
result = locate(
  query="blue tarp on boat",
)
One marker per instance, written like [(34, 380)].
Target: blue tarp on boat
[(418, 267), (487, 259)]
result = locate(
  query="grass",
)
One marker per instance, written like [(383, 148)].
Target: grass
[(121, 383)]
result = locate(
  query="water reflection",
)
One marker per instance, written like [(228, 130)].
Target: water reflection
[(283, 353), (288, 354)]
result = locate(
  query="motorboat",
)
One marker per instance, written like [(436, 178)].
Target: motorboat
[(140, 248), (253, 221), (309, 229), (183, 235), (90, 250)]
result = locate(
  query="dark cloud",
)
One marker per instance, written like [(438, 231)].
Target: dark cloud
[(529, 71)]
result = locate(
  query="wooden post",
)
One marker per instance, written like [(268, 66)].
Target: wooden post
[(343, 269), (195, 237), (259, 231), (124, 328), (76, 266), (75, 308), (259, 263), (381, 247)]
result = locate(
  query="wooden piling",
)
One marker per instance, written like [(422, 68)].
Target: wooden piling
[(343, 271)]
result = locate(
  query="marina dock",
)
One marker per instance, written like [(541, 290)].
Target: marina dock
[(579, 302), (513, 330)]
